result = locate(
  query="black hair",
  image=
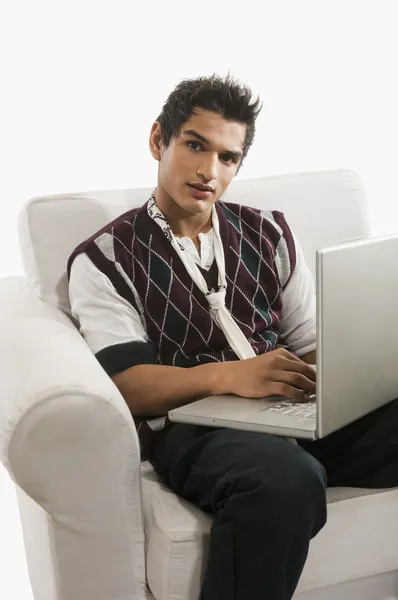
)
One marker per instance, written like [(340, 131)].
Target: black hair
[(224, 95)]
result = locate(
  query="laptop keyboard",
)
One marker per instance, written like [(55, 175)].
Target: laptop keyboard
[(306, 410)]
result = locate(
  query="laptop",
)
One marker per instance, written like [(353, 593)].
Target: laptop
[(357, 350)]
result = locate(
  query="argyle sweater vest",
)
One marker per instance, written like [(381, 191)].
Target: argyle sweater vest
[(144, 268)]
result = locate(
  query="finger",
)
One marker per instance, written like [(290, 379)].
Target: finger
[(310, 369), (298, 367), (295, 379), (288, 391)]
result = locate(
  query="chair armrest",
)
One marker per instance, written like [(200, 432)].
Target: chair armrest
[(47, 368), (68, 440)]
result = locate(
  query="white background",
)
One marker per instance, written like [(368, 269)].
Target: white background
[(82, 82)]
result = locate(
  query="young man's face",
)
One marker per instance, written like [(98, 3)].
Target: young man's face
[(207, 153)]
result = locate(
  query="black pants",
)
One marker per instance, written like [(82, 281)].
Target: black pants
[(268, 496)]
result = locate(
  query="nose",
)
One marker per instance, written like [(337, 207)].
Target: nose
[(207, 169)]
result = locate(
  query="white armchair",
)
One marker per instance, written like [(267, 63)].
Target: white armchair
[(98, 524)]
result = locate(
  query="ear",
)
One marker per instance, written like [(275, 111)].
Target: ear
[(155, 141)]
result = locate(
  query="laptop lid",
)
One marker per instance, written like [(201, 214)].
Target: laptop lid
[(357, 330)]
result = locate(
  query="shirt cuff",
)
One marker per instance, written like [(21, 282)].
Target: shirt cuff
[(119, 357)]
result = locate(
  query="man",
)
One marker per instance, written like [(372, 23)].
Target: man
[(189, 296)]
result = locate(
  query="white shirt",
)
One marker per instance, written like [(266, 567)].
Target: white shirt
[(105, 318)]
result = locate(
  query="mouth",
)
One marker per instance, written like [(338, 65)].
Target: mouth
[(200, 191), (201, 186)]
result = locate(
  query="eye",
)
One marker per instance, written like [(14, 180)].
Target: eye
[(228, 158), (192, 143)]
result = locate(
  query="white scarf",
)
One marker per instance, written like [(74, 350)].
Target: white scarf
[(218, 311)]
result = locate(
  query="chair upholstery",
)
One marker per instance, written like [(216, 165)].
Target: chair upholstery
[(97, 524)]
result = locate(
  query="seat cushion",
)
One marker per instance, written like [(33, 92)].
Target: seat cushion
[(359, 539)]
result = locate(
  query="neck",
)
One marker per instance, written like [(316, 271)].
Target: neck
[(182, 223)]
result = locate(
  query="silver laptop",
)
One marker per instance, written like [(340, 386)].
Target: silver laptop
[(357, 350)]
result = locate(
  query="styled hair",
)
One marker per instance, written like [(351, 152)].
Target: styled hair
[(224, 95)]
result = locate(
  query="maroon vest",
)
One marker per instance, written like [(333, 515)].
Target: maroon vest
[(175, 312)]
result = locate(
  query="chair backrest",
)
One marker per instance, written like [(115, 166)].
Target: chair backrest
[(322, 207)]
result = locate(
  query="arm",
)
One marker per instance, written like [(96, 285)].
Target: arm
[(153, 390)]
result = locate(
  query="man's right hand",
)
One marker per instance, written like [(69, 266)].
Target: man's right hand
[(274, 373)]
